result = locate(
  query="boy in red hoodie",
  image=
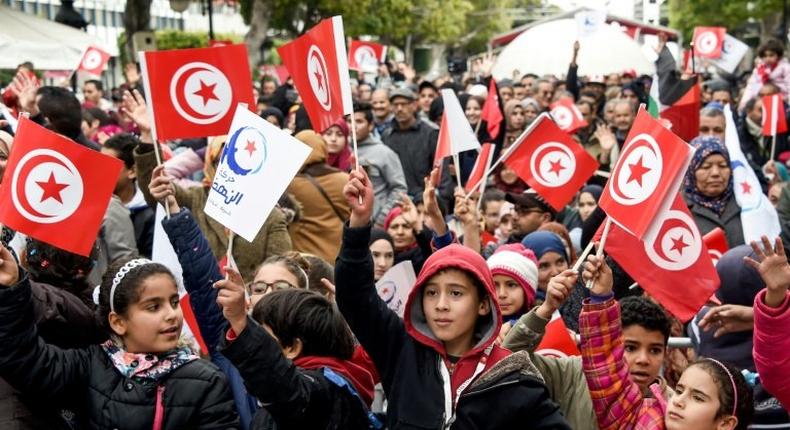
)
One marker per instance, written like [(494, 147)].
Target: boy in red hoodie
[(439, 365)]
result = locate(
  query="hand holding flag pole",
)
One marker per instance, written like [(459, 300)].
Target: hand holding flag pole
[(601, 245)]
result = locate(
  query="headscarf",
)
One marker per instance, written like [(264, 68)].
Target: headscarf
[(277, 113), (394, 213), (541, 242), (213, 151), (510, 106), (377, 234), (342, 159), (594, 190), (706, 146)]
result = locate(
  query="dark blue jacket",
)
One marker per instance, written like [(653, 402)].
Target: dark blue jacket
[(200, 272)]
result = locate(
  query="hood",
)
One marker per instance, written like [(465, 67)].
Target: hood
[(316, 143), (457, 257), (355, 374)]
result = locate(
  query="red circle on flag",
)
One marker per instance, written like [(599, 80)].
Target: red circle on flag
[(46, 186)]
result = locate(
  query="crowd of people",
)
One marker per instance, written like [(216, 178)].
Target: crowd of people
[(294, 333)]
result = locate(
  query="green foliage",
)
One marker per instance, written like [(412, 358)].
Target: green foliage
[(176, 39), (684, 15)]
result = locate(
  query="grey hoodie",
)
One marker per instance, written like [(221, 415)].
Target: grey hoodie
[(386, 175)]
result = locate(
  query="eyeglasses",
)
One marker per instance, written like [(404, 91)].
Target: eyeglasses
[(260, 287)]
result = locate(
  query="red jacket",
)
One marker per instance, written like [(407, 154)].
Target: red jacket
[(771, 346)]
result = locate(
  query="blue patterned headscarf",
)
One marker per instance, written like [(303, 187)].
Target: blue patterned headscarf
[(706, 146)]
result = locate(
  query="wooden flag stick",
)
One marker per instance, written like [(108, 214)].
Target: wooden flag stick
[(457, 173), (773, 146), (601, 245), (582, 257), (229, 253), (356, 150)]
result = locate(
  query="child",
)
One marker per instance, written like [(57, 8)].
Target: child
[(646, 329), (515, 273), (771, 323), (140, 378), (279, 272), (297, 362), (709, 395), (439, 365)]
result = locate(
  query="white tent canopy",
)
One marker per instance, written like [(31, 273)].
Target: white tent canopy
[(47, 44), (547, 49)]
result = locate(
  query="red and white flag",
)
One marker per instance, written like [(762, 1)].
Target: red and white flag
[(550, 161), (482, 165), (717, 245), (93, 61), (455, 133), (557, 342), (648, 172), (56, 190), (672, 263), (194, 92), (491, 112), (567, 116), (318, 64), (366, 56), (708, 41), (774, 120)]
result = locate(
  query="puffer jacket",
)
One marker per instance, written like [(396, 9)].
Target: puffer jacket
[(271, 240), (413, 363), (200, 272), (194, 396), (771, 343)]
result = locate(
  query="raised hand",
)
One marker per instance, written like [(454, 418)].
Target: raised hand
[(359, 185), (26, 98), (465, 209), (9, 270), (605, 137), (432, 210), (772, 265), (557, 292), (233, 300), (135, 108), (728, 319), (596, 269), (486, 65), (162, 189)]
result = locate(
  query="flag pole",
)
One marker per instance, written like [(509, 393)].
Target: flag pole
[(693, 63), (773, 146), (229, 253), (457, 165), (601, 245), (356, 151), (484, 181)]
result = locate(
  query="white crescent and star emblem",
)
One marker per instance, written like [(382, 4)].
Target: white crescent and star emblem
[(201, 93), (706, 42), (366, 57), (92, 59), (46, 186), (551, 352), (317, 74), (715, 256), (640, 171), (562, 116), (676, 243), (552, 164)]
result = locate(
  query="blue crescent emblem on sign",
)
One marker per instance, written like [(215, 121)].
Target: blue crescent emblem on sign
[(256, 147)]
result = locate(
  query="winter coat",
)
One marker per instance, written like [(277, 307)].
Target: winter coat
[(771, 343), (320, 227), (412, 362), (85, 380), (386, 176), (618, 401), (729, 220), (63, 320), (295, 398), (779, 76), (143, 219), (272, 239), (564, 376), (200, 272)]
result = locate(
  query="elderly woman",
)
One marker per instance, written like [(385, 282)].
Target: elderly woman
[(708, 190)]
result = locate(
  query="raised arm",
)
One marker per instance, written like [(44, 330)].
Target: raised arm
[(378, 328)]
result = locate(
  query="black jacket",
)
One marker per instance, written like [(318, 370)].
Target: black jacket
[(508, 395), (292, 398), (85, 380)]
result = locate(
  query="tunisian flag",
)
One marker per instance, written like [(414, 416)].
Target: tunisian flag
[(93, 61), (672, 263), (716, 242), (550, 161), (366, 56), (651, 165), (491, 113), (194, 92), (708, 41), (567, 115), (557, 342), (318, 64), (56, 190), (774, 121), (482, 165)]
